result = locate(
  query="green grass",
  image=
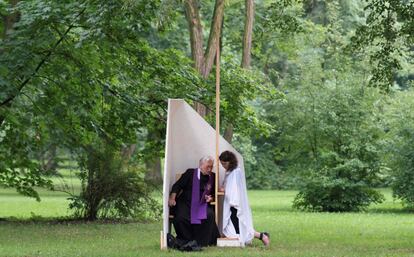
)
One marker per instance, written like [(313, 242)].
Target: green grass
[(384, 230), (52, 204)]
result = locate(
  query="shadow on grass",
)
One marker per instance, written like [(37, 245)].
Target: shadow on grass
[(391, 210), (45, 194), (66, 221), (372, 210)]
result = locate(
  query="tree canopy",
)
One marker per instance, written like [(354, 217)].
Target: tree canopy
[(310, 94)]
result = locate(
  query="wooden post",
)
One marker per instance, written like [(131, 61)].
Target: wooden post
[(217, 128)]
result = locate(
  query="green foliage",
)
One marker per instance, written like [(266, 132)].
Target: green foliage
[(19, 146), (386, 36), (341, 137), (264, 173), (111, 189), (88, 80), (399, 123), (80, 76), (283, 16), (238, 88), (403, 182), (337, 189), (93, 78)]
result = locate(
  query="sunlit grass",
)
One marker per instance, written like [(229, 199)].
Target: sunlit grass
[(383, 230)]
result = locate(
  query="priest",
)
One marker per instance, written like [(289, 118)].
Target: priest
[(190, 198)]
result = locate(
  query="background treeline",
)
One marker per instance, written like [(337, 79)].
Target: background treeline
[(315, 94)]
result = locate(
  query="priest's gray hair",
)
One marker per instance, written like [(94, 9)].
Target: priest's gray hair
[(206, 159)]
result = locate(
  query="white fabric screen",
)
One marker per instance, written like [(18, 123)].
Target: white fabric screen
[(189, 137)]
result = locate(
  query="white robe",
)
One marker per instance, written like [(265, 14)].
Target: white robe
[(235, 195)]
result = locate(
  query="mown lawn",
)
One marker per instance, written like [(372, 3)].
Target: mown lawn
[(384, 230)]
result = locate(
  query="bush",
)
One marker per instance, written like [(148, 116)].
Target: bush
[(403, 183), (337, 190), (341, 182), (340, 142), (112, 190), (399, 122)]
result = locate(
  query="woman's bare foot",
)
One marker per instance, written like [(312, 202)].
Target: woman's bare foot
[(265, 237)]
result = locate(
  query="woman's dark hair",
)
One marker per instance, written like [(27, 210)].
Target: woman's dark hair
[(230, 157)]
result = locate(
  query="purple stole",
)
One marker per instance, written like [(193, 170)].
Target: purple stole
[(199, 205)]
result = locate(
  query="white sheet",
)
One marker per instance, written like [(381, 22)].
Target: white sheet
[(189, 137), (236, 196)]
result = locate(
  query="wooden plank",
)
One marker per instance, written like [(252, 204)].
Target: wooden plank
[(229, 242), (217, 126)]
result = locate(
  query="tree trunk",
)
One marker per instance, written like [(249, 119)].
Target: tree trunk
[(88, 195), (127, 153), (154, 170), (203, 63), (315, 10), (48, 160), (10, 20), (248, 33), (215, 33), (196, 33), (228, 133), (200, 108), (246, 55), (8, 23)]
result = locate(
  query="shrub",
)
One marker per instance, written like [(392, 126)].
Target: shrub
[(337, 189), (111, 189), (399, 123)]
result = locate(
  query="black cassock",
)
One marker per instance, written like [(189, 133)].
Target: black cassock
[(205, 233)]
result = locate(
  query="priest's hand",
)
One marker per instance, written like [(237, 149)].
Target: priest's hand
[(209, 198), (221, 189), (171, 200)]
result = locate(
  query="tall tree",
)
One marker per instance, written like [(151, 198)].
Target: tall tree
[(246, 53), (83, 89), (203, 58), (10, 19), (248, 34)]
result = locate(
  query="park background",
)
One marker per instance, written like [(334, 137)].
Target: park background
[(316, 95)]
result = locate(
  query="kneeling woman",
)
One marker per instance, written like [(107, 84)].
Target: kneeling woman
[(237, 216)]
